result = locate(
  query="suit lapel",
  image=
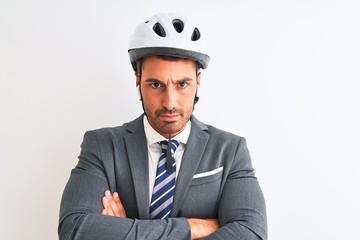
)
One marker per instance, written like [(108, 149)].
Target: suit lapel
[(138, 159), (194, 150)]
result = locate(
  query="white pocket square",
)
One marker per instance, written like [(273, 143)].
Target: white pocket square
[(206, 174)]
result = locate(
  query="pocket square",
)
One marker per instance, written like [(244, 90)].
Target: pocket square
[(209, 173)]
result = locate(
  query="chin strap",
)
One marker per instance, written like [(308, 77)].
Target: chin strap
[(169, 155)]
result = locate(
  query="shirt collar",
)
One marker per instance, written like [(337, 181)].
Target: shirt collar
[(152, 136)]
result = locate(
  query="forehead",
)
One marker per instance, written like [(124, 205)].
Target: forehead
[(157, 67)]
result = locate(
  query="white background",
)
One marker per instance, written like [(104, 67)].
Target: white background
[(284, 74)]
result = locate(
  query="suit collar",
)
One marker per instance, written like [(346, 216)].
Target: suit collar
[(200, 125), (135, 125)]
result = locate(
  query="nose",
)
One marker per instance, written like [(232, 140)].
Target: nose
[(169, 98)]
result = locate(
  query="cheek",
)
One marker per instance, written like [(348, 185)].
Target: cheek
[(190, 98), (187, 104), (150, 103)]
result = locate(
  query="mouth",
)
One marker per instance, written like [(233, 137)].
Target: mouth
[(169, 117)]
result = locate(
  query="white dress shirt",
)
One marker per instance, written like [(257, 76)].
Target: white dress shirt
[(154, 150)]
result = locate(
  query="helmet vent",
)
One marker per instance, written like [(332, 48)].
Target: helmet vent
[(159, 30), (195, 35), (178, 25)]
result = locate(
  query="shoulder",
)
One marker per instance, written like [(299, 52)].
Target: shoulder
[(216, 133), (225, 140), (228, 147), (115, 133)]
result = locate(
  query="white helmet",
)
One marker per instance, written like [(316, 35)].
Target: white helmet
[(171, 35)]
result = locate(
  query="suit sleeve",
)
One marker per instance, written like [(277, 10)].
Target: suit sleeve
[(80, 210), (241, 211)]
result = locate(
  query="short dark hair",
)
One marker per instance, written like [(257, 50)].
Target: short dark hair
[(139, 62)]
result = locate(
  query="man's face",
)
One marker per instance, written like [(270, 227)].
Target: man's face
[(168, 90)]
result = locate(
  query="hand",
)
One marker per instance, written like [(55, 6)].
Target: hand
[(112, 205), (201, 228)]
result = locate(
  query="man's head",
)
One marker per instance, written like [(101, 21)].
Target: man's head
[(168, 89), (166, 53)]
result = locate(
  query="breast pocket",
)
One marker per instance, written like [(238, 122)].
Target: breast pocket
[(203, 194), (207, 177)]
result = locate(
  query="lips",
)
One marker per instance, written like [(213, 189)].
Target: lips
[(169, 117)]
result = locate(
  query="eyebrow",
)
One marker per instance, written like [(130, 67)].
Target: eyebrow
[(153, 80)]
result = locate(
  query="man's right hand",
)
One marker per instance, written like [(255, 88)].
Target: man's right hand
[(112, 205)]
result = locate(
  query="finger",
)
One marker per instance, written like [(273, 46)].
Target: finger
[(105, 202), (114, 207), (107, 193), (119, 205), (117, 200), (104, 199), (107, 206), (104, 212)]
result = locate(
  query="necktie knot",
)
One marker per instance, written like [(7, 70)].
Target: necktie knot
[(174, 145)]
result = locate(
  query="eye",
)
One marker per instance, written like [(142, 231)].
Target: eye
[(183, 84), (155, 85)]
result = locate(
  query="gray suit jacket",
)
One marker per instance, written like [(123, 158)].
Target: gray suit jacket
[(216, 180)]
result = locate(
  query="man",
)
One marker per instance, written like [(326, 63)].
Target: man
[(165, 175)]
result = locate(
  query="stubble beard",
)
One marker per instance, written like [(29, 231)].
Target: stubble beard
[(169, 127)]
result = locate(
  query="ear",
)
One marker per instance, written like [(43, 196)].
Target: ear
[(138, 84), (198, 78), (137, 78)]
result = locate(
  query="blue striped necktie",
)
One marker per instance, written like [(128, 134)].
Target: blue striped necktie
[(164, 187)]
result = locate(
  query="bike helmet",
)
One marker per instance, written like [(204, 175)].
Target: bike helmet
[(168, 34)]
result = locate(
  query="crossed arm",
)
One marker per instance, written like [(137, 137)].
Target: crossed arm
[(199, 228), (85, 214)]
